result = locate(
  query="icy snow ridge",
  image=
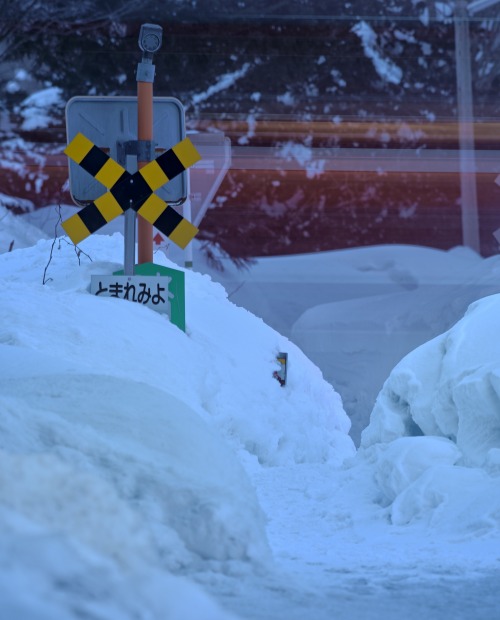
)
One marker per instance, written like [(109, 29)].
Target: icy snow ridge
[(435, 427)]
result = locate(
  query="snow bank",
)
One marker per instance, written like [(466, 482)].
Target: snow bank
[(120, 436), (121, 441), (435, 427), (222, 367), (448, 387), (107, 485), (407, 458), (456, 500), (47, 576), (97, 423)]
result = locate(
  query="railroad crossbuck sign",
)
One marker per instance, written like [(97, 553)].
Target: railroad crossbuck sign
[(135, 191)]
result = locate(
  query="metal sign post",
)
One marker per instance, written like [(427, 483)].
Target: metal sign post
[(129, 162), (121, 175)]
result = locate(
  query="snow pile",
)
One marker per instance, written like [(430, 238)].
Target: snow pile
[(355, 313), (305, 423), (130, 451), (177, 469), (120, 437), (435, 428), (49, 575)]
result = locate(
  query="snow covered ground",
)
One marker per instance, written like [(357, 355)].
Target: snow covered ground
[(150, 473)]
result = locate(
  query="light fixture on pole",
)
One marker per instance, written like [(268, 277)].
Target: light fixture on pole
[(150, 38)]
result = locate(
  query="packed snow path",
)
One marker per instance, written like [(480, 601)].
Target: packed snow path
[(332, 563)]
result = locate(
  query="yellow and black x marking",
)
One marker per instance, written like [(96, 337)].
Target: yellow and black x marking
[(131, 191)]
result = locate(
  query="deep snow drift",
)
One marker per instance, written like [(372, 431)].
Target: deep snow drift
[(119, 433), (355, 313), (437, 424), (151, 473)]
